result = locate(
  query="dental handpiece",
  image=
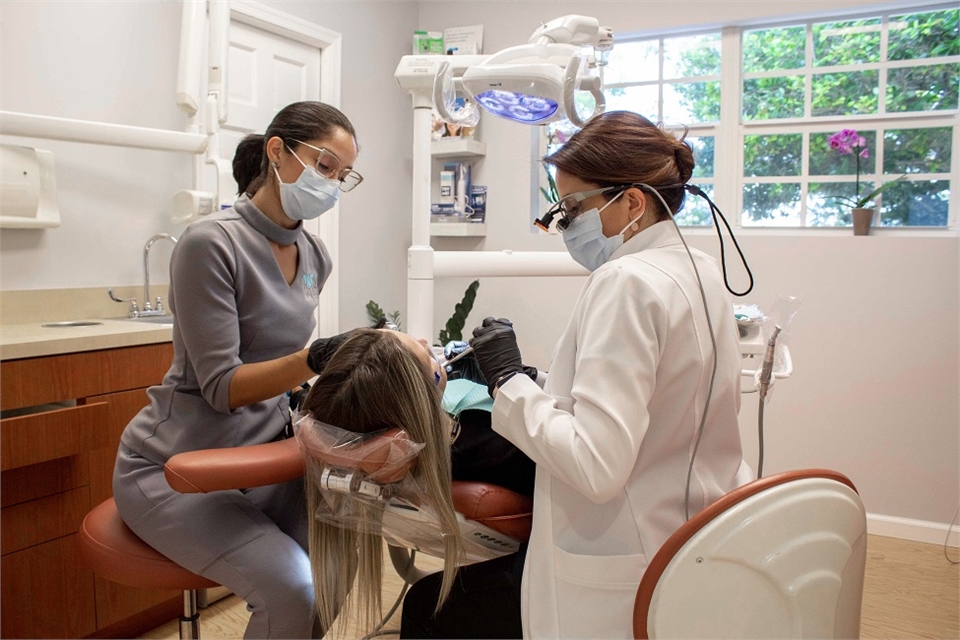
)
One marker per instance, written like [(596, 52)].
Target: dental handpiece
[(766, 371), (466, 351)]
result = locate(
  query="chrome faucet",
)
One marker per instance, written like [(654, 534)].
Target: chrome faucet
[(148, 310)]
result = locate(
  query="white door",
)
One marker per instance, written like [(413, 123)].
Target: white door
[(266, 72)]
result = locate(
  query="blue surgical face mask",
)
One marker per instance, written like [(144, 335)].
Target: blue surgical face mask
[(585, 240), (310, 196)]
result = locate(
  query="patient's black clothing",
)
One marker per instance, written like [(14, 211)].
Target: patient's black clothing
[(480, 454), (484, 602), (485, 599)]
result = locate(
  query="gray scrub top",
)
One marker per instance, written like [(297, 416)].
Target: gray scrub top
[(231, 306)]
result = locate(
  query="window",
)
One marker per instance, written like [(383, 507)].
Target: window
[(894, 78)]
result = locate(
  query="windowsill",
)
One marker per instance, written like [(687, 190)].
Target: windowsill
[(892, 232)]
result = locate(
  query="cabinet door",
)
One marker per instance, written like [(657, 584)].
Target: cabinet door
[(121, 408), (38, 521), (116, 602), (46, 593)]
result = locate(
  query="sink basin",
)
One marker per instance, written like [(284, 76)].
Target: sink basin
[(165, 319), (71, 323)]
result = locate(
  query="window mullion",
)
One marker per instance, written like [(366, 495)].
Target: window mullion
[(808, 73), (882, 80), (728, 163), (660, 81)]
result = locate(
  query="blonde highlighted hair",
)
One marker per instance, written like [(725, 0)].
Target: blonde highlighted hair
[(373, 382)]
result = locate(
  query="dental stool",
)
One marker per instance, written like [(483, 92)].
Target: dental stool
[(115, 553), (779, 557)]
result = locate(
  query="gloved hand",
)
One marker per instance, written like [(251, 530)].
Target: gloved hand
[(322, 349), (466, 368), (495, 348)]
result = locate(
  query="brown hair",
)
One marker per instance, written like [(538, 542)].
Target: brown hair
[(373, 382), (620, 148), (298, 121)]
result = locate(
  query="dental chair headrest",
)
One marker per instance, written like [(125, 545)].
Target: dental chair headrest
[(385, 457)]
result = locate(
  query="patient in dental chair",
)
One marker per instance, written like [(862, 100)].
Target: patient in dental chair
[(380, 380)]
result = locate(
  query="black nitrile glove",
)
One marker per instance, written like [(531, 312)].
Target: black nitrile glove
[(495, 348), (466, 368), (323, 349)]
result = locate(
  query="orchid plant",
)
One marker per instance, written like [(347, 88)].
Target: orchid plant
[(847, 141)]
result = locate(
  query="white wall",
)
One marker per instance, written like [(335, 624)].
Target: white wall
[(103, 61), (875, 343), (117, 62), (875, 394)]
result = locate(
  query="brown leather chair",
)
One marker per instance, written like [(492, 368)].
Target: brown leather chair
[(115, 553), (500, 509)]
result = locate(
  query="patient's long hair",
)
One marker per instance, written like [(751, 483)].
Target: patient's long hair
[(373, 382)]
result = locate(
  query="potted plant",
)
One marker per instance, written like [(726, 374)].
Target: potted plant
[(453, 330), (847, 141)]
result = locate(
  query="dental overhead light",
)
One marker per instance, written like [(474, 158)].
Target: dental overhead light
[(535, 83)]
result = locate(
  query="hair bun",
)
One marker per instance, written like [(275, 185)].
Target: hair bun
[(683, 156)]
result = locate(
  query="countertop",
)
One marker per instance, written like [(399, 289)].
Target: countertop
[(33, 339)]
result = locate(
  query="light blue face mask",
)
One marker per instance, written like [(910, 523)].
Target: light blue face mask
[(585, 240), (310, 196)]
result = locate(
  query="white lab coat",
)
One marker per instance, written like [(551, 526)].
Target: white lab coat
[(613, 430)]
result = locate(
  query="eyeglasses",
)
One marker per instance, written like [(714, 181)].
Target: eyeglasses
[(329, 166), (568, 207)]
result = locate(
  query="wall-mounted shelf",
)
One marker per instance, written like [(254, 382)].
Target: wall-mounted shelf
[(459, 229), (457, 148)]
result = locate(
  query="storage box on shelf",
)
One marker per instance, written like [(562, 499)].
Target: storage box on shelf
[(61, 425)]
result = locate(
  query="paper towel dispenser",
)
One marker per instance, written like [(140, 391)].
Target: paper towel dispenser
[(28, 188)]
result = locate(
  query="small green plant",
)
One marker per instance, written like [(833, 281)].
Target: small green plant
[(376, 314), (454, 327)]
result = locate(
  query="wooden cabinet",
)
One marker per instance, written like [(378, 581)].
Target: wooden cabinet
[(61, 425)]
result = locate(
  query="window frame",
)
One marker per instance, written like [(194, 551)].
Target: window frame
[(730, 130)]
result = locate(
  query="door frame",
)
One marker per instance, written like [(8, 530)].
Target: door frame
[(330, 44)]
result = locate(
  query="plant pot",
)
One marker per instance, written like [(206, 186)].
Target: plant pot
[(862, 219)]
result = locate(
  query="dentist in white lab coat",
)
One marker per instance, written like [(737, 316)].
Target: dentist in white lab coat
[(614, 427)]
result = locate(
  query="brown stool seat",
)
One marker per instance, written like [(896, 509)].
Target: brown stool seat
[(115, 553)]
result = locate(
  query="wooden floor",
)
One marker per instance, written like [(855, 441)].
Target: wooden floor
[(910, 591)]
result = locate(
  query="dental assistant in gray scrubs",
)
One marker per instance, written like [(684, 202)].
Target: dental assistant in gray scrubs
[(243, 290)]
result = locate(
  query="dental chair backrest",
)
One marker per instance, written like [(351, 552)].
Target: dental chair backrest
[(780, 557)]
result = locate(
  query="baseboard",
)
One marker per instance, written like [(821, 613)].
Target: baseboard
[(907, 529)]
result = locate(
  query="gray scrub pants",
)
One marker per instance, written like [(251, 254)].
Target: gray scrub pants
[(252, 541)]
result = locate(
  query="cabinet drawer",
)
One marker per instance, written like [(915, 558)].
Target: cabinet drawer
[(45, 479), (34, 381), (47, 593), (38, 521), (50, 435)]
